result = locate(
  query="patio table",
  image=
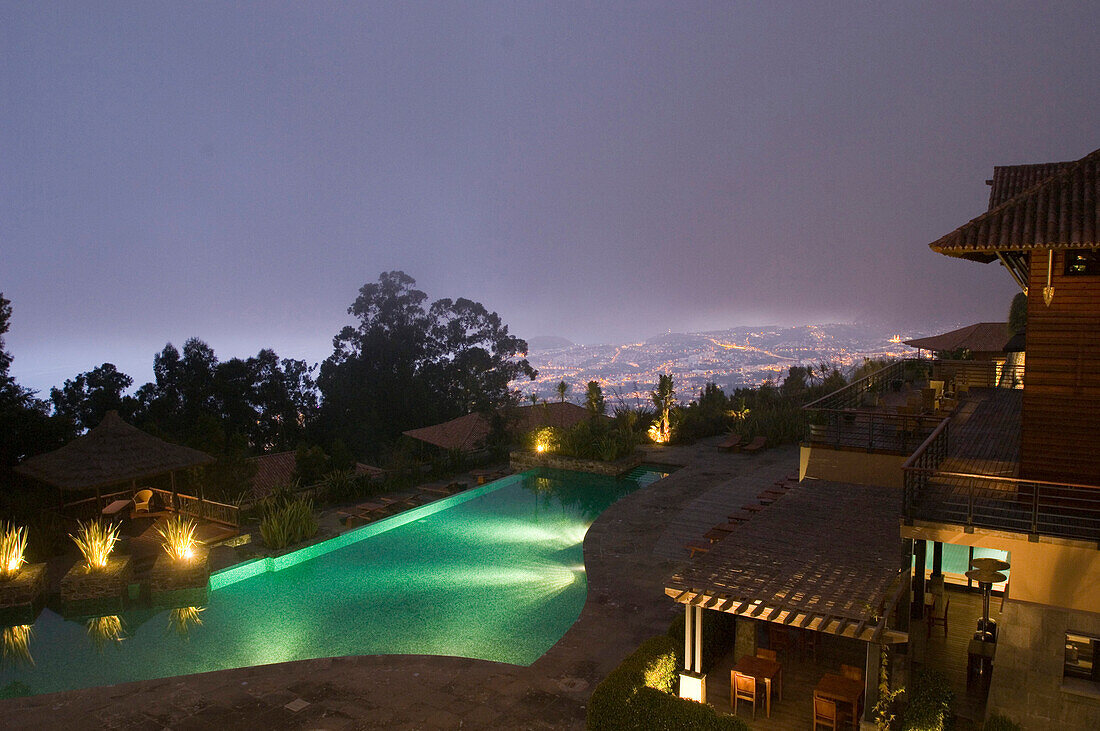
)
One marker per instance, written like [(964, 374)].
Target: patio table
[(845, 690), (762, 669)]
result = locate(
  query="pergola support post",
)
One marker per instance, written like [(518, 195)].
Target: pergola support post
[(871, 673), (693, 682)]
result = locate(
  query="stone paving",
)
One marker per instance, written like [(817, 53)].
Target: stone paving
[(625, 605)]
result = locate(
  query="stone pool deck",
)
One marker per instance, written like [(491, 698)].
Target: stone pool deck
[(629, 551)]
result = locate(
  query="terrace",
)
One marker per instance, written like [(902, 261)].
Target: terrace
[(967, 473)]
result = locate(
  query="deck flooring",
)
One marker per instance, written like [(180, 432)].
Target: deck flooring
[(801, 675), (948, 655)]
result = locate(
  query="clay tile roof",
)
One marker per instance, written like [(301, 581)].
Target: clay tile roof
[(275, 471), (467, 433), (111, 453), (982, 336), (1061, 211), (794, 563)]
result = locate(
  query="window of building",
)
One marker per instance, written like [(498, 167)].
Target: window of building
[(1083, 261), (1082, 657)]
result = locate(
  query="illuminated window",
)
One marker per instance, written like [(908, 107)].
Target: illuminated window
[(1083, 261), (1082, 656)]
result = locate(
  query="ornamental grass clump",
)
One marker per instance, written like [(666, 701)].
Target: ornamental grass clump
[(96, 540), (13, 544), (286, 522), (178, 537)]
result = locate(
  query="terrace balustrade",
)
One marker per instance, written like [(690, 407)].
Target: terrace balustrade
[(1032, 507)]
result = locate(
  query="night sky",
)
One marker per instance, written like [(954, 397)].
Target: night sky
[(601, 171)]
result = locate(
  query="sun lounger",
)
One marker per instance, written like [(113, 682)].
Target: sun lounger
[(733, 441), (755, 445), (697, 547)]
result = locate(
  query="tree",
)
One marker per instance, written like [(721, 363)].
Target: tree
[(26, 427), (88, 397), (593, 400), (663, 399), (563, 388), (1017, 314), (404, 365)]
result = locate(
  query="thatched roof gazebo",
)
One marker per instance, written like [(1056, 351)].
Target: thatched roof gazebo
[(112, 453)]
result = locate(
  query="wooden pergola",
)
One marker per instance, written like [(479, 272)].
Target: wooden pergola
[(112, 453), (827, 557)]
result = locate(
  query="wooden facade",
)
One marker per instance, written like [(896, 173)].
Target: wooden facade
[(1060, 430)]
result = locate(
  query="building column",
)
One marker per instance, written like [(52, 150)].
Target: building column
[(693, 682), (918, 579), (937, 558)]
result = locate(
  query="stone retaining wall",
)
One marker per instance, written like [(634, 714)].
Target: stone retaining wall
[(81, 585), (520, 461), (24, 587), (170, 579)]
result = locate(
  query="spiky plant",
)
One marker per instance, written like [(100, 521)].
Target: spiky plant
[(13, 544), (178, 537), (15, 645), (96, 540), (105, 630)]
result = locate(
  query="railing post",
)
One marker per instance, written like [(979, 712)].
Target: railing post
[(1034, 509)]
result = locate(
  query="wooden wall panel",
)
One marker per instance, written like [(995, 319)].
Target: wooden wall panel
[(1060, 433)]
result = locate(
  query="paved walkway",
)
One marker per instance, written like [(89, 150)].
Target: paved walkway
[(625, 605)]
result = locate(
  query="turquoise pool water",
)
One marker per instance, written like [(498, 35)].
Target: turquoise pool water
[(495, 573)]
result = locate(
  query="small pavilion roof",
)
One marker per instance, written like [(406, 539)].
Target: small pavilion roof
[(1058, 209), (825, 556), (111, 453), (979, 337), (468, 433), (276, 470)]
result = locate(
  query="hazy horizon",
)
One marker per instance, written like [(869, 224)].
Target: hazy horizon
[(603, 173)]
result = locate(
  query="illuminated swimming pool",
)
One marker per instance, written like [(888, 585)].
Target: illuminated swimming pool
[(494, 573)]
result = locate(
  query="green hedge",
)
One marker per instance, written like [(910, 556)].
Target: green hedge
[(997, 722), (929, 703), (639, 695)]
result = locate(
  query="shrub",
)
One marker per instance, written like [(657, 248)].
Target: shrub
[(998, 722), (638, 695), (287, 523), (929, 706)]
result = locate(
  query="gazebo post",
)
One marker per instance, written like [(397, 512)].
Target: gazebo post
[(98, 500), (175, 500)]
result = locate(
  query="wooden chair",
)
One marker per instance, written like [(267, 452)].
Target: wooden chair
[(826, 713), (852, 672), (809, 642), (744, 689), (766, 654), (934, 619), (778, 638)]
